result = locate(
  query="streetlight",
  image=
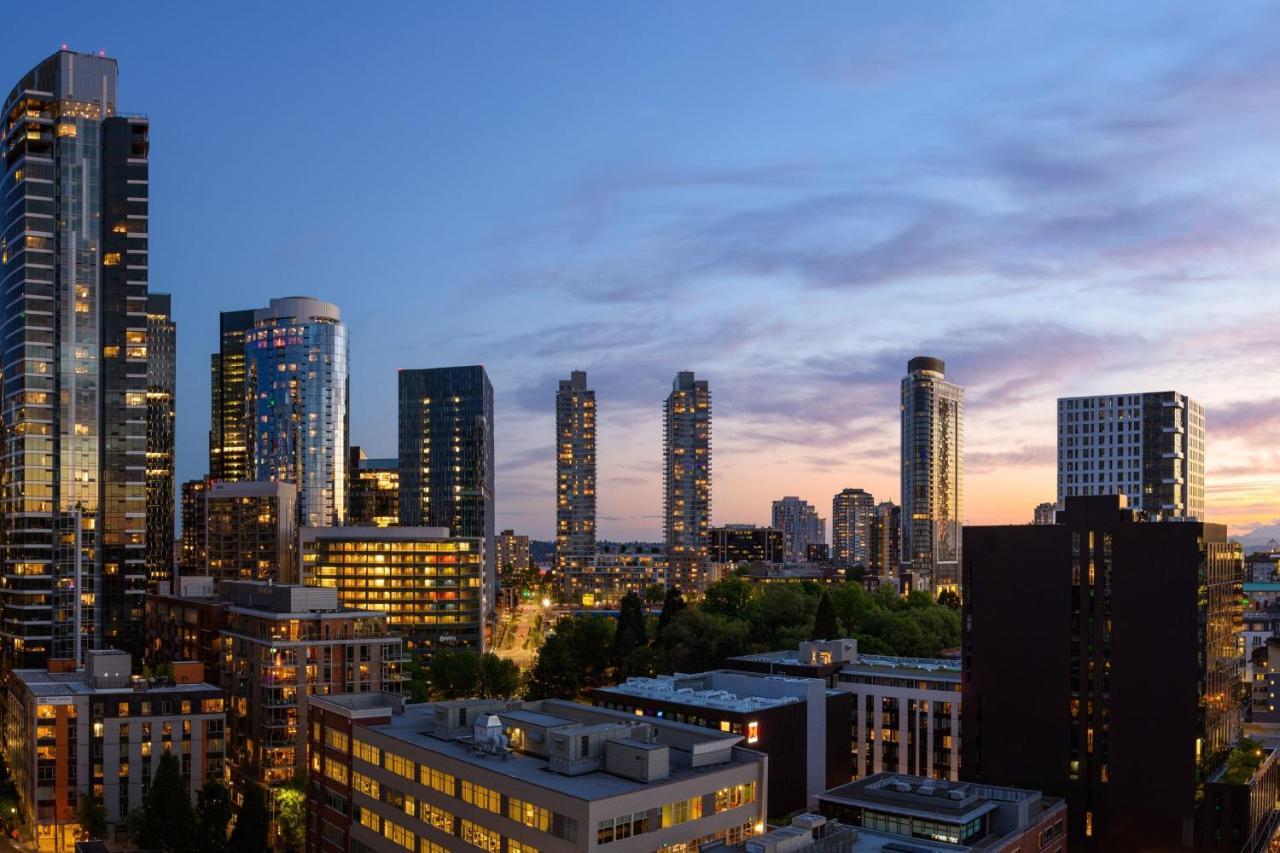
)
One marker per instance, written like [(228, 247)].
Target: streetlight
[(546, 602)]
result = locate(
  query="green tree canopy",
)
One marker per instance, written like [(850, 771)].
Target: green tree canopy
[(825, 625), (252, 823), (92, 815), (168, 821), (213, 817), (632, 631)]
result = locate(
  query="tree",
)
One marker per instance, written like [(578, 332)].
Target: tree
[(92, 815), (824, 621), (416, 678), (8, 792), (213, 816), (167, 821), (453, 674), (671, 605), (555, 674), (730, 597), (696, 641), (250, 834), (855, 573), (654, 593), (499, 678), (291, 814), (631, 632), (949, 598)]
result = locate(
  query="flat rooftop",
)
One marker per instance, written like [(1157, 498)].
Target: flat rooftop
[(668, 688), (868, 664), (41, 682)]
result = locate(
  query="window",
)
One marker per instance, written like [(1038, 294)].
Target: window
[(111, 259), (399, 765), (370, 819), (478, 836), (514, 846), (435, 816), (440, 781), (336, 739), (335, 770), (397, 834), (529, 814), (753, 732), (365, 752), (738, 795), (365, 785), (479, 795), (681, 811)]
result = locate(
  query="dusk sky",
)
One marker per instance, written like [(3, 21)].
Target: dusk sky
[(790, 199)]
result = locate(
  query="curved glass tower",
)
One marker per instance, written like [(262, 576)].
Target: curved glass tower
[(296, 367)]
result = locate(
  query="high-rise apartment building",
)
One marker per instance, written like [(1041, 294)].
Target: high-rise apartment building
[(251, 531), (446, 457), (162, 385), (575, 473), (296, 365), (1044, 513), (886, 541), (1062, 689), (852, 511), (194, 551), (932, 475), (73, 275), (373, 496), (801, 527), (230, 430), (1148, 447), (686, 496), (428, 583), (513, 553), (746, 543)]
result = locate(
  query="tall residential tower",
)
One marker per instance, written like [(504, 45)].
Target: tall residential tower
[(932, 475), (73, 271), (686, 497), (851, 514), (229, 426), (575, 474), (161, 412), (801, 527)]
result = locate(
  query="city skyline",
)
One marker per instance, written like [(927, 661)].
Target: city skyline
[(1039, 230)]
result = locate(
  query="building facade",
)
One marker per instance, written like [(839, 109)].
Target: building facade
[(251, 531), (549, 776), (746, 543), (194, 551), (615, 571), (73, 272), (575, 473), (798, 722), (296, 370), (513, 553), (230, 429), (1147, 447), (932, 475), (426, 582), (446, 458), (852, 511), (1105, 583), (374, 494), (886, 542), (281, 644), (801, 527), (185, 623), (686, 494), (1044, 513), (162, 384), (68, 733)]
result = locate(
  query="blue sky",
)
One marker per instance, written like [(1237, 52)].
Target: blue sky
[(789, 199)]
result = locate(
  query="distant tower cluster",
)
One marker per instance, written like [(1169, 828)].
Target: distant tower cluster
[(932, 475), (1044, 513), (1148, 447), (686, 501), (575, 474), (852, 512), (801, 527)]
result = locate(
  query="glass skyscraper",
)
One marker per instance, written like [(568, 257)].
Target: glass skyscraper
[(932, 475), (446, 457), (73, 270), (229, 434), (161, 414), (296, 371)]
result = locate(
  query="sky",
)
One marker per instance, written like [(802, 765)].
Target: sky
[(789, 199)]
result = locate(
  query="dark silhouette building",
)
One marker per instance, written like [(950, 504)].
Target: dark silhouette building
[(1100, 664), (746, 543), (161, 415)]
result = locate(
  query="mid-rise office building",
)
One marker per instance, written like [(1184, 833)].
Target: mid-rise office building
[(251, 531), (231, 427), (162, 357), (886, 542), (73, 275), (801, 526), (69, 733), (1044, 513), (1084, 727), (1147, 447), (427, 582), (575, 473), (549, 776), (374, 494), (801, 724), (852, 511), (446, 458), (513, 553), (746, 543), (615, 571), (686, 493), (184, 623), (897, 812), (932, 475), (194, 551), (281, 644), (296, 371)]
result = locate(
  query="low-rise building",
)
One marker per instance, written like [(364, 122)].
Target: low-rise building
[(100, 730), (613, 572), (899, 812), (548, 776), (428, 583), (801, 724)]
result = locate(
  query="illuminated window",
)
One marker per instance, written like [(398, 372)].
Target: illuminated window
[(400, 765), (479, 795), (529, 814), (1088, 824), (478, 836), (335, 770), (436, 816), (65, 130), (366, 752), (336, 739), (111, 259), (681, 811), (397, 834), (440, 781), (753, 732)]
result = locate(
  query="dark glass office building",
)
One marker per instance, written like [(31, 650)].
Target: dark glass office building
[(229, 428), (1101, 665), (446, 456), (73, 271), (161, 414)]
